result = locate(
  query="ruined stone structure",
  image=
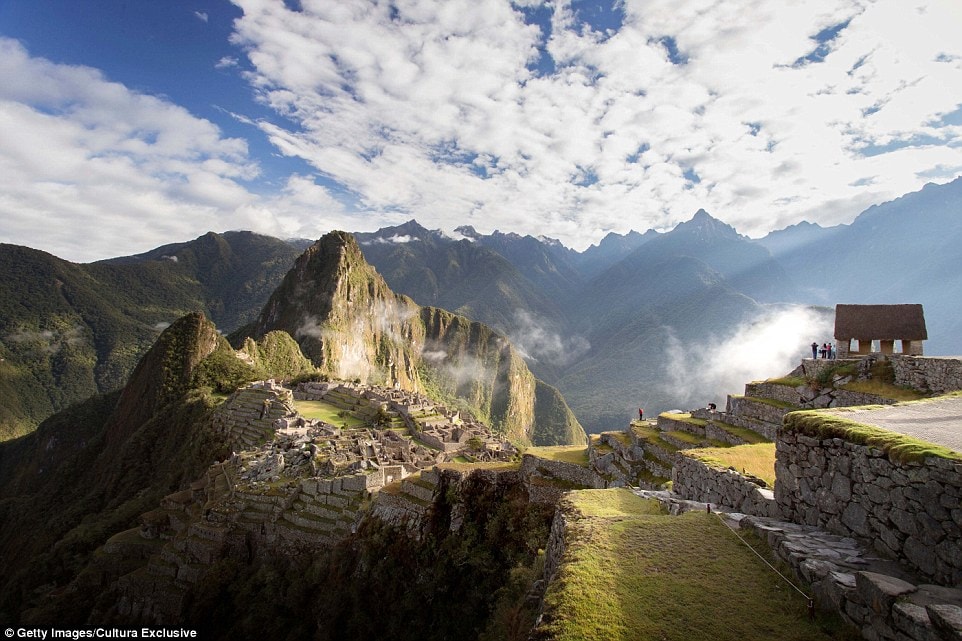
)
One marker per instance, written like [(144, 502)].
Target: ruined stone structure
[(886, 324)]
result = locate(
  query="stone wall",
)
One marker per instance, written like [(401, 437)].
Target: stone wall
[(745, 411), (911, 511), (806, 397), (695, 480), (568, 473), (927, 373)]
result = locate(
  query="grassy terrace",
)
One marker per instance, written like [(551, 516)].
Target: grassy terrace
[(757, 460), (898, 447), (685, 418), (328, 413), (885, 390), (743, 433), (487, 465), (633, 573), (652, 434), (577, 454)]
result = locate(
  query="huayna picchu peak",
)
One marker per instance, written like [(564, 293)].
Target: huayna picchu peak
[(350, 324)]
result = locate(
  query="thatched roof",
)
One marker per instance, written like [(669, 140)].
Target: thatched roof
[(881, 322)]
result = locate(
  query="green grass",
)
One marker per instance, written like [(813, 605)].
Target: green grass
[(486, 465), (773, 402), (757, 460), (686, 418), (577, 454), (328, 413), (790, 381), (653, 436), (743, 433), (685, 437), (899, 447), (622, 437), (884, 389), (632, 573)]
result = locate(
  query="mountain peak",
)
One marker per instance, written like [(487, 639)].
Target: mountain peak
[(468, 231), (703, 225)]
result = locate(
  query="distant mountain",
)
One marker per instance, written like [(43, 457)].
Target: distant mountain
[(470, 277), (464, 277), (796, 237), (746, 265), (610, 250), (68, 331), (352, 326), (547, 264), (903, 251)]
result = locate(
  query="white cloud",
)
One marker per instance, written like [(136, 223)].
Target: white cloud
[(88, 166), (90, 169), (435, 113), (202, 16), (226, 62), (770, 345)]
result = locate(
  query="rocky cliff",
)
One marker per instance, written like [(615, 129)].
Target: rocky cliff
[(350, 324)]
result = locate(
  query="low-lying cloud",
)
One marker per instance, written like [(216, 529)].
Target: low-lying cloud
[(537, 342), (768, 346), (47, 341)]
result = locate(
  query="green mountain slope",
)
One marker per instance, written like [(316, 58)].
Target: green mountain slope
[(89, 471), (68, 331)]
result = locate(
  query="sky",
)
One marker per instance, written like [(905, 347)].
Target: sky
[(126, 124)]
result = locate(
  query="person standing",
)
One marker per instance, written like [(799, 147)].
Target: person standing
[(814, 350), (641, 414)]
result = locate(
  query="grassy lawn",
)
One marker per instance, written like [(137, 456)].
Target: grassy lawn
[(577, 454), (757, 460), (326, 412), (633, 573)]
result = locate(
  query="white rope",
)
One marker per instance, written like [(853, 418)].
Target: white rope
[(764, 560)]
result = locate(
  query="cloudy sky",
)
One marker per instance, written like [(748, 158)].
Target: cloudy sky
[(125, 124)]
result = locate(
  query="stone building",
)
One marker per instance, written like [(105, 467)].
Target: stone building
[(857, 326)]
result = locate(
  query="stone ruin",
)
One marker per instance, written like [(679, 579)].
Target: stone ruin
[(406, 432)]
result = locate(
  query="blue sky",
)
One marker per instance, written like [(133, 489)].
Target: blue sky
[(128, 124)]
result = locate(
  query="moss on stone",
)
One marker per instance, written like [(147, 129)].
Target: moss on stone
[(900, 448)]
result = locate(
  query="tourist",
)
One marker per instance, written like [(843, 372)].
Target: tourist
[(641, 414), (814, 349)]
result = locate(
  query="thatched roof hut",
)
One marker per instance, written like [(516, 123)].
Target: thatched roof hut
[(883, 323)]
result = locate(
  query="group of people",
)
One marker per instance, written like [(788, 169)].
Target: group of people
[(826, 350)]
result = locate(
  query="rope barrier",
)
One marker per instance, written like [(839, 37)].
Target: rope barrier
[(811, 601)]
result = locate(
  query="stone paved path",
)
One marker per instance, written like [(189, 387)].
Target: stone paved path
[(938, 422)]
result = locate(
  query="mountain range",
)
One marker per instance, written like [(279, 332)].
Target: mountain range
[(607, 326)]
